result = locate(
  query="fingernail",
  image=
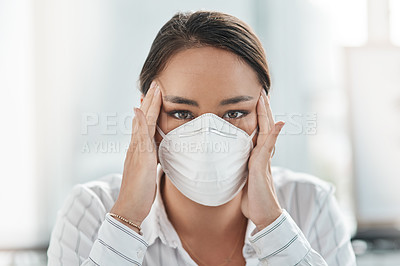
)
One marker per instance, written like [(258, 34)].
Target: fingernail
[(153, 83), (265, 93), (262, 99), (134, 109), (157, 90)]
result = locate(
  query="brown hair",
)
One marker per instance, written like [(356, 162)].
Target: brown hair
[(204, 28)]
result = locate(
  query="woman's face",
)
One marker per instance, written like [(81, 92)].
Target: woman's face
[(203, 80)]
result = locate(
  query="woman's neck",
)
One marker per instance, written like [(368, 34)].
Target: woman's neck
[(197, 221)]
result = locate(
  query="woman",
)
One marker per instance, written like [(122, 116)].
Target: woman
[(205, 81)]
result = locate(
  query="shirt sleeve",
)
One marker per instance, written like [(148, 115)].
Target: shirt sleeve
[(85, 234), (283, 242)]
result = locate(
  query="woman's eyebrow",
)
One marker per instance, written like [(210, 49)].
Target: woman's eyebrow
[(181, 100), (236, 99)]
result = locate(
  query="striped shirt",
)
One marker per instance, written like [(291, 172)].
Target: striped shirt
[(310, 230)]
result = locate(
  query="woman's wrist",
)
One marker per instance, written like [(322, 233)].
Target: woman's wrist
[(134, 228), (126, 214), (127, 211), (273, 215)]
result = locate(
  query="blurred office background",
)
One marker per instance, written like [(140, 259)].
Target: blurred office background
[(68, 85)]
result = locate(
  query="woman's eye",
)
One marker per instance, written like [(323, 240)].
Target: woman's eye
[(185, 115), (182, 115), (234, 114)]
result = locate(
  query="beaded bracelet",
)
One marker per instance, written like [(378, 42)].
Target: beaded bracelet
[(127, 221)]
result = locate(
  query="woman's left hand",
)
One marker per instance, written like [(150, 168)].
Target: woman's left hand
[(259, 200)]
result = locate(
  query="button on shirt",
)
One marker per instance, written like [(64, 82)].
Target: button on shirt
[(310, 230)]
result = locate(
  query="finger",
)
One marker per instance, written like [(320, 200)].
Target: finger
[(154, 111), (143, 131), (262, 121), (271, 139), (269, 112), (135, 123), (135, 128), (142, 134), (148, 97)]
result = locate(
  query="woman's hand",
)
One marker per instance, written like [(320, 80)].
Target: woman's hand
[(259, 201), (138, 187)]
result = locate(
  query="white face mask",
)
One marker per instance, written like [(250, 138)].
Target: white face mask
[(206, 158)]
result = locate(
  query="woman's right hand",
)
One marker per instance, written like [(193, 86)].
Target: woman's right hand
[(138, 187)]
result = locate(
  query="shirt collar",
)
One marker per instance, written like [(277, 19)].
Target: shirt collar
[(157, 225)]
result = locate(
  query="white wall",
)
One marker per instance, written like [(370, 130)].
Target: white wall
[(18, 201), (374, 92)]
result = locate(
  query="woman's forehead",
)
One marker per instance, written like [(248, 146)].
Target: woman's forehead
[(198, 72)]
